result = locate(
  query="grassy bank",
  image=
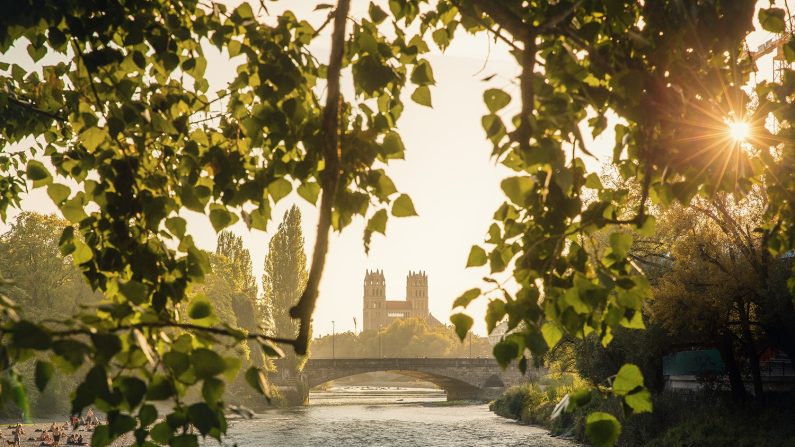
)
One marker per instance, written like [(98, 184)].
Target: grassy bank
[(694, 420)]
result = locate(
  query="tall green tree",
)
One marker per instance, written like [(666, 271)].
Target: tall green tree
[(46, 283), (284, 277), (241, 276)]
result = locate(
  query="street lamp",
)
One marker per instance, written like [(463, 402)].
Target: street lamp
[(380, 352), (333, 334)]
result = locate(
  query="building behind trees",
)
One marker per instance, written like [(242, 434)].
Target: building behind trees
[(379, 312)]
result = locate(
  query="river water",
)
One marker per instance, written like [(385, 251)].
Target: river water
[(385, 416)]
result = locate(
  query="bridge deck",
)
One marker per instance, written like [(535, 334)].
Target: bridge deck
[(401, 362)]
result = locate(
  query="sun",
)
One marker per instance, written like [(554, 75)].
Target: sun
[(739, 131)]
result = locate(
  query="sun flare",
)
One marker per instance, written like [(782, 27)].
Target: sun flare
[(739, 130)]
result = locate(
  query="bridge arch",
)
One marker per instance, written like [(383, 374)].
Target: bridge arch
[(462, 379), (456, 389)]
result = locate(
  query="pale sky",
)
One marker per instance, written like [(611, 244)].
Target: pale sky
[(447, 171)]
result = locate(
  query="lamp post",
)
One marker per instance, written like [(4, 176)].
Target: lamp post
[(333, 335), (470, 344), (380, 352)]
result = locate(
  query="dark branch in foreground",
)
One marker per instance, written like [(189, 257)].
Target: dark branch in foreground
[(330, 178), (174, 325), (32, 108)]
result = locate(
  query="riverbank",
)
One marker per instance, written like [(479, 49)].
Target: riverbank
[(32, 431), (698, 419)]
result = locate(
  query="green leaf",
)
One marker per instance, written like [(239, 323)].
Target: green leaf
[(309, 191), (393, 145), (177, 362), (212, 390), (602, 429), (221, 218), (279, 188), (422, 74), (177, 226), (639, 401), (159, 389), (135, 291), (58, 192), (551, 333), (422, 96), (147, 415), (477, 257), (620, 243), (495, 312), (517, 188), (377, 223), (101, 436), (772, 19), (504, 352), (81, 253), (463, 323), (43, 374), (257, 380), (377, 15), (134, 390), (441, 37), (244, 11), (161, 433), (184, 441), (627, 380), (38, 174), (579, 398), (73, 211), (207, 363), (93, 137), (496, 99), (200, 308), (467, 297), (403, 207)]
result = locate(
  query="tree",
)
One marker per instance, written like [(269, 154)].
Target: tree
[(124, 141), (718, 288), (405, 337), (284, 278), (47, 283)]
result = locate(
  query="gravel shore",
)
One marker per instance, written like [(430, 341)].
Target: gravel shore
[(31, 434)]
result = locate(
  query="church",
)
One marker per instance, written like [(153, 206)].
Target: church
[(379, 312)]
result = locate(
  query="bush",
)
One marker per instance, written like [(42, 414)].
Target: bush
[(678, 420)]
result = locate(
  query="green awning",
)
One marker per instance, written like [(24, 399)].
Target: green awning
[(693, 363)]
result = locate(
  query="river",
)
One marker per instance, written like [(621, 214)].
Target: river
[(385, 416)]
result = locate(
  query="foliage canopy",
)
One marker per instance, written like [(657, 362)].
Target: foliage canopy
[(118, 119)]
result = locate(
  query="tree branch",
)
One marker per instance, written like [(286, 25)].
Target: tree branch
[(32, 108), (330, 178), (506, 19), (173, 325)]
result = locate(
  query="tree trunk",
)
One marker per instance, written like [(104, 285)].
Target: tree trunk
[(726, 348), (750, 350)]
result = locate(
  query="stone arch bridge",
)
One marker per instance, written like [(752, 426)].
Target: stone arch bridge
[(461, 378)]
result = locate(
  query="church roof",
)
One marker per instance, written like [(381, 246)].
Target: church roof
[(433, 321), (398, 305)]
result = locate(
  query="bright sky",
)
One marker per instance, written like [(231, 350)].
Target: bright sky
[(447, 172)]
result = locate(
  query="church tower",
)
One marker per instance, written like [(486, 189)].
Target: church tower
[(417, 293), (374, 308)]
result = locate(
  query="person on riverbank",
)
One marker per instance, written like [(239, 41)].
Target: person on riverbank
[(18, 432), (56, 436), (91, 418)]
